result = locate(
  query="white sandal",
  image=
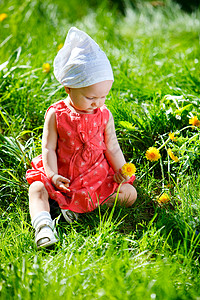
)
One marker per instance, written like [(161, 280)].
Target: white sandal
[(45, 235), (70, 216)]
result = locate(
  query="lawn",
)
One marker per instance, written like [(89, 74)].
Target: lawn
[(148, 251)]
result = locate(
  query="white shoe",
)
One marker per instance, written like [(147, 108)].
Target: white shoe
[(45, 235), (70, 216)]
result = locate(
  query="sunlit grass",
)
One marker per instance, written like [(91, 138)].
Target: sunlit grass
[(151, 250)]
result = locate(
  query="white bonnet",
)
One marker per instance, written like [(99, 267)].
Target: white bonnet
[(80, 62)]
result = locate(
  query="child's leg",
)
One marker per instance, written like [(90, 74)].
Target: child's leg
[(38, 198), (40, 216), (126, 197)]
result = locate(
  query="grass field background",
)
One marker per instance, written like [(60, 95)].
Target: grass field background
[(151, 250)]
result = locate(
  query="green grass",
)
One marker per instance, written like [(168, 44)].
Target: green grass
[(151, 250)]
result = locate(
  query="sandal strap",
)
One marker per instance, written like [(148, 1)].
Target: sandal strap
[(45, 223), (69, 215), (46, 237)]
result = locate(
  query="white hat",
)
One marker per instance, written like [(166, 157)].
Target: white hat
[(80, 62)]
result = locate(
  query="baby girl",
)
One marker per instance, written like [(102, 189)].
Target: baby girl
[(81, 160)]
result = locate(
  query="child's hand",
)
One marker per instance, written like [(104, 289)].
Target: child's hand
[(61, 182), (119, 177), (125, 173)]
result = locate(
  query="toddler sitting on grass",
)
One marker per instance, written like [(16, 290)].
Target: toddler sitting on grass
[(81, 161)]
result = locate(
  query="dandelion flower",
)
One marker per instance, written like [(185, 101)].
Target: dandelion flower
[(46, 67), (60, 46), (164, 198), (3, 17), (152, 154), (128, 169), (171, 154), (194, 121), (171, 136)]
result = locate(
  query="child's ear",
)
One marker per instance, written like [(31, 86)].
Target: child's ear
[(67, 89)]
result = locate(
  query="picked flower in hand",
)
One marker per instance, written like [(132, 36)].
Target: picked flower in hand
[(128, 169)]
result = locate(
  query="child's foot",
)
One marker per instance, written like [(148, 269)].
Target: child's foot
[(69, 215), (45, 236)]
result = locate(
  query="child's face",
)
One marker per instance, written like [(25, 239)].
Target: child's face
[(89, 98)]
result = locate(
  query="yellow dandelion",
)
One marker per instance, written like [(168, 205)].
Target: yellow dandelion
[(3, 17), (128, 169), (194, 121), (171, 136), (171, 154), (60, 46), (152, 154), (164, 198), (46, 67)]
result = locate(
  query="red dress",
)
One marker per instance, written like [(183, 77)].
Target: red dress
[(80, 158)]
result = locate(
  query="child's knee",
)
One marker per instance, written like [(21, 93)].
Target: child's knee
[(37, 187), (129, 194)]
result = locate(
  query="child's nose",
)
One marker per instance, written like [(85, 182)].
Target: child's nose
[(95, 103)]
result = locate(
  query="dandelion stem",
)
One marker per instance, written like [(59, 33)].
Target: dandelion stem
[(163, 145), (162, 172), (168, 163), (189, 126), (190, 139), (30, 72), (147, 170)]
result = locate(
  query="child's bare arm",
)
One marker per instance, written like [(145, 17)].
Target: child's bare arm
[(49, 157), (114, 153)]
